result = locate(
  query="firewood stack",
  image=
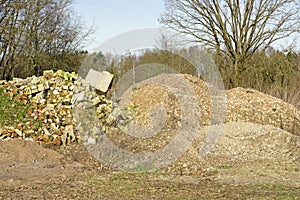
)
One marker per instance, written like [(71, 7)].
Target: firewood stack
[(52, 99)]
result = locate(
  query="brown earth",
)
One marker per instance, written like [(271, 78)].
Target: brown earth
[(249, 161)]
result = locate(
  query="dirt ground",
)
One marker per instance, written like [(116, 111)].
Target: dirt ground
[(30, 171)]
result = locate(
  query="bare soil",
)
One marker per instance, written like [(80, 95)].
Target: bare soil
[(30, 171)]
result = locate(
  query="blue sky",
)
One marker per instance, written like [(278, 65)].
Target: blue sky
[(113, 17)]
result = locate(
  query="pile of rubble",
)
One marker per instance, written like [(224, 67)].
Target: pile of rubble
[(53, 97), (249, 105), (242, 105)]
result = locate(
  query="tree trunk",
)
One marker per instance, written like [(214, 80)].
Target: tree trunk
[(237, 74), (219, 63)]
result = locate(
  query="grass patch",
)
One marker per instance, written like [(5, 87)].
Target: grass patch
[(224, 166), (270, 191), (123, 185), (12, 111)]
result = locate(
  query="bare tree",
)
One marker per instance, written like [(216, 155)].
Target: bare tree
[(236, 28), (167, 41), (12, 31), (37, 35)]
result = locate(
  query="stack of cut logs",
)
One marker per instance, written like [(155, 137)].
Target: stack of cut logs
[(53, 98)]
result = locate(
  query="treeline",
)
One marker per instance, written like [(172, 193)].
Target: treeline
[(273, 72), (276, 73), (38, 34)]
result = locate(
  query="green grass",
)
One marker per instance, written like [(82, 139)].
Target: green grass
[(224, 166), (12, 111), (125, 185)]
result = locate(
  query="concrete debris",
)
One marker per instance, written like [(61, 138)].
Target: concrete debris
[(99, 80)]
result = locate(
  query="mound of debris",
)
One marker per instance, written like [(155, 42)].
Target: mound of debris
[(250, 105), (25, 151), (53, 97), (249, 148), (246, 105)]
